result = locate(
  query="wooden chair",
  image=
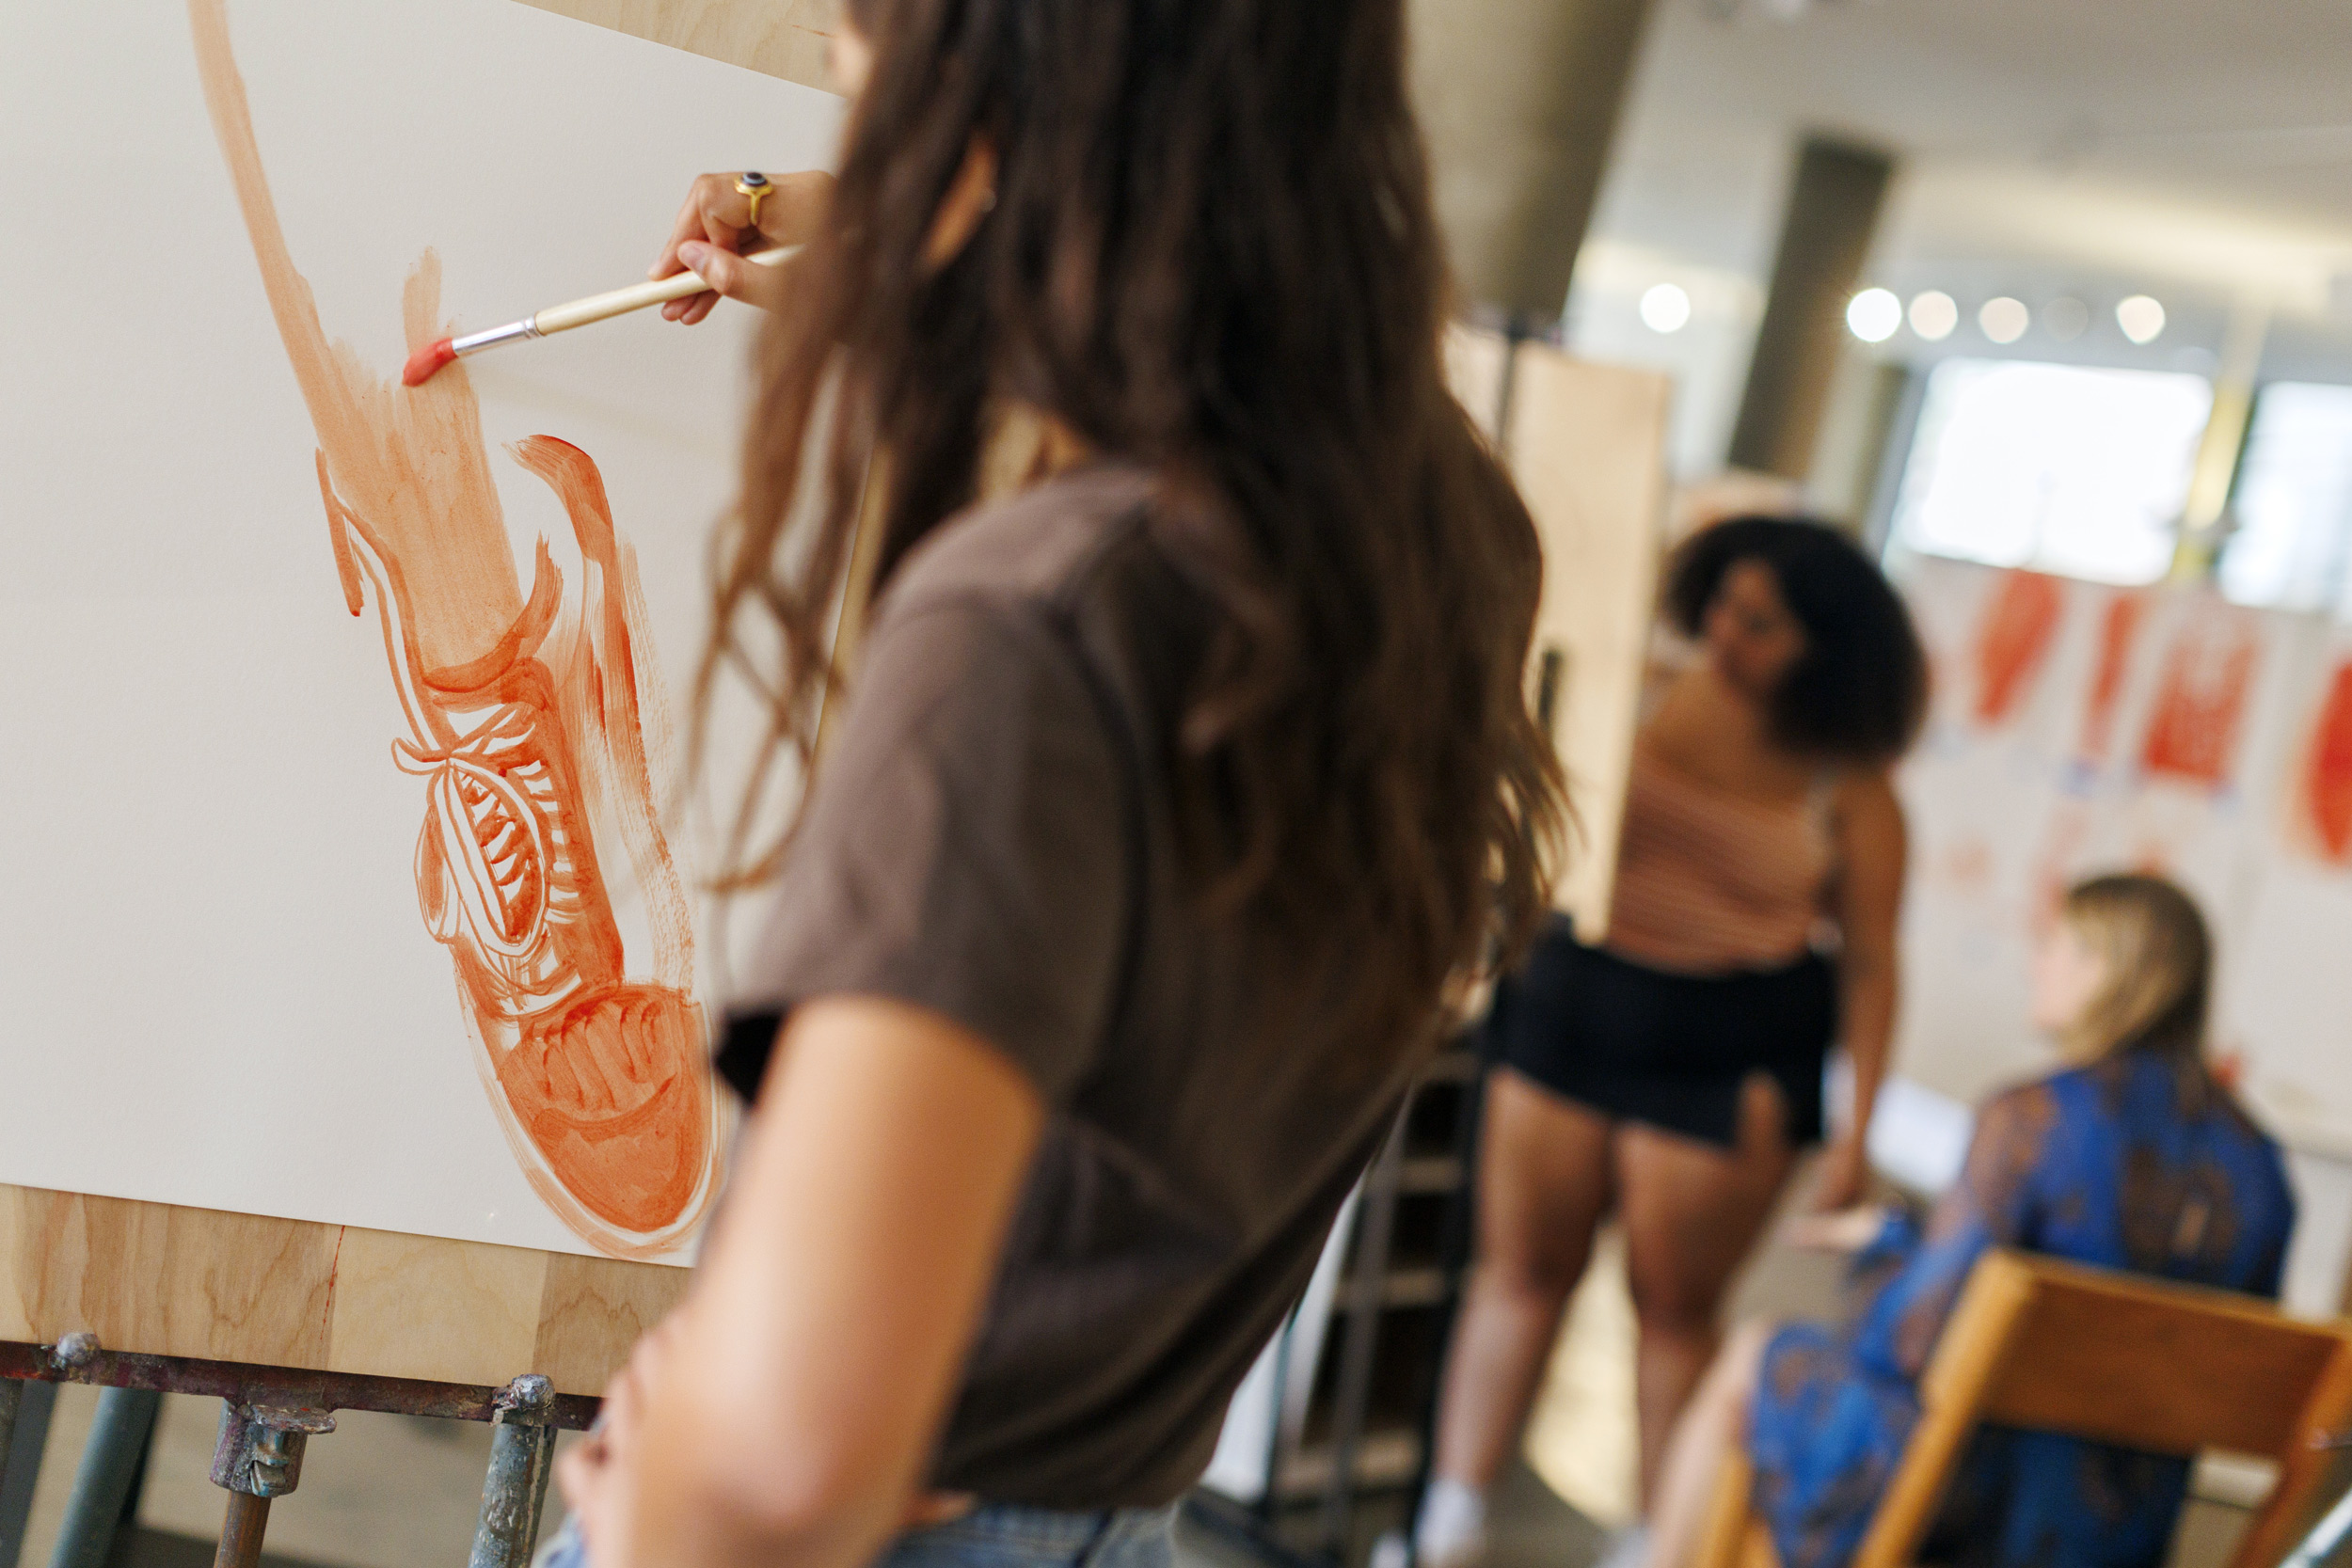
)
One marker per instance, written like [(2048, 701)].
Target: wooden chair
[(2114, 1357)]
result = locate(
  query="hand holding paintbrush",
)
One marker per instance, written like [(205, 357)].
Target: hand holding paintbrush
[(730, 236)]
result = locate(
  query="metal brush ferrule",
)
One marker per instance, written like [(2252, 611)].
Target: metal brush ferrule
[(526, 327)]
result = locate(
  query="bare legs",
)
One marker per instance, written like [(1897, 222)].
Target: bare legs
[(1544, 1182), (1548, 1171), (1693, 1213), (1712, 1424)]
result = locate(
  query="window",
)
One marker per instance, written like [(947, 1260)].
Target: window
[(2294, 502), (2082, 472)]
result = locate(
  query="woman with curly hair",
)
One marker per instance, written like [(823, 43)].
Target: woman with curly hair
[(1673, 1072)]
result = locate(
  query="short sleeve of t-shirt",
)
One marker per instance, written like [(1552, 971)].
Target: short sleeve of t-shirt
[(965, 847)]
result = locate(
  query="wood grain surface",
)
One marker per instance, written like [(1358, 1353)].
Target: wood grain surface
[(161, 1279), (776, 38), (1587, 444)]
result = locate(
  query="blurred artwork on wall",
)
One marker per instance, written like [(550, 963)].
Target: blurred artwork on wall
[(2080, 728)]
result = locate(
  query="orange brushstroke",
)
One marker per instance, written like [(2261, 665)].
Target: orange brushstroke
[(2326, 783), (1968, 865), (2201, 703), (2119, 629), (2054, 868), (2019, 626), (523, 723)]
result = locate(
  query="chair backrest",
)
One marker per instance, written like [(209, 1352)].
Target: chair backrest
[(2120, 1358), (2170, 1368)]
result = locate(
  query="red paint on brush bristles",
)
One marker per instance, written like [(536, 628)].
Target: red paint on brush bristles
[(425, 362)]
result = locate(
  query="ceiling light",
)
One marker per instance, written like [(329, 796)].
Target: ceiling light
[(1874, 315), (2065, 318), (2004, 319), (1934, 315), (2141, 319), (1666, 307)]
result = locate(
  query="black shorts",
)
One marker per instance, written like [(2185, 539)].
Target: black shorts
[(1672, 1051)]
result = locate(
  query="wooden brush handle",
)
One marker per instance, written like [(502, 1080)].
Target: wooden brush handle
[(620, 302)]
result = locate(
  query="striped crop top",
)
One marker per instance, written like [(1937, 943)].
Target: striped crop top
[(1710, 883)]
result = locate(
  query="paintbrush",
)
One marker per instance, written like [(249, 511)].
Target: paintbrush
[(426, 361)]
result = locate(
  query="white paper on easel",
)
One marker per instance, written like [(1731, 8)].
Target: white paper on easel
[(333, 883)]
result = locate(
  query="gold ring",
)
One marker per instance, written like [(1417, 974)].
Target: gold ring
[(754, 188)]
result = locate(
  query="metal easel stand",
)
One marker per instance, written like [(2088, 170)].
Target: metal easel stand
[(268, 1415), (258, 1457), (32, 1403), (111, 1461), (522, 1456), (1354, 1391), (16, 1491), (12, 1401), (109, 1470)]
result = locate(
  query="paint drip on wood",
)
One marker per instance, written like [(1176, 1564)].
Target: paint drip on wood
[(520, 719)]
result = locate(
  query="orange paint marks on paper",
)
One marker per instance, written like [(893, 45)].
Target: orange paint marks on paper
[(2054, 867), (2201, 697), (2013, 644), (2119, 632), (1967, 865), (520, 717), (2325, 802)]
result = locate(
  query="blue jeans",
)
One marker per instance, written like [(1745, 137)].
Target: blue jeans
[(995, 1536)]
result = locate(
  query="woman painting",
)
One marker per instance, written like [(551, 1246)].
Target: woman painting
[(1176, 792), (2131, 1157), (1673, 1074)]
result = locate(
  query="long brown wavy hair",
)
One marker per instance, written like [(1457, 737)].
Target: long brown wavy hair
[(1212, 254)]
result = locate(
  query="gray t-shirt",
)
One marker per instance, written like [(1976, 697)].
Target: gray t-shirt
[(994, 837)]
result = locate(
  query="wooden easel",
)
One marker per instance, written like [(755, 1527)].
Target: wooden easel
[(1585, 444), (287, 1319)]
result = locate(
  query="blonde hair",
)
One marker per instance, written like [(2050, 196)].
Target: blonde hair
[(2157, 952)]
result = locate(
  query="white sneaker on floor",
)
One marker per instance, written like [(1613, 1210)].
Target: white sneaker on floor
[(1461, 1552), (1452, 1529), (1628, 1548)]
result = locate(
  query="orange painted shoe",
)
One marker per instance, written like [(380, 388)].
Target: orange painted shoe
[(602, 1084), (523, 725)]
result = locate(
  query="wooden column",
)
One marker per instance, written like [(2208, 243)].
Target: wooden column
[(1519, 99), (1824, 240)]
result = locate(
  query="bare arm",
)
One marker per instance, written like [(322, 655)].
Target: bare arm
[(786, 1412), (1872, 851)]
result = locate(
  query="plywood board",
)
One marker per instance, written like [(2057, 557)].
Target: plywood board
[(346, 817), (168, 1280), (785, 39), (1587, 445)]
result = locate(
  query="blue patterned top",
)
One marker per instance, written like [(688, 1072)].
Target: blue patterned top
[(2139, 1161)]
